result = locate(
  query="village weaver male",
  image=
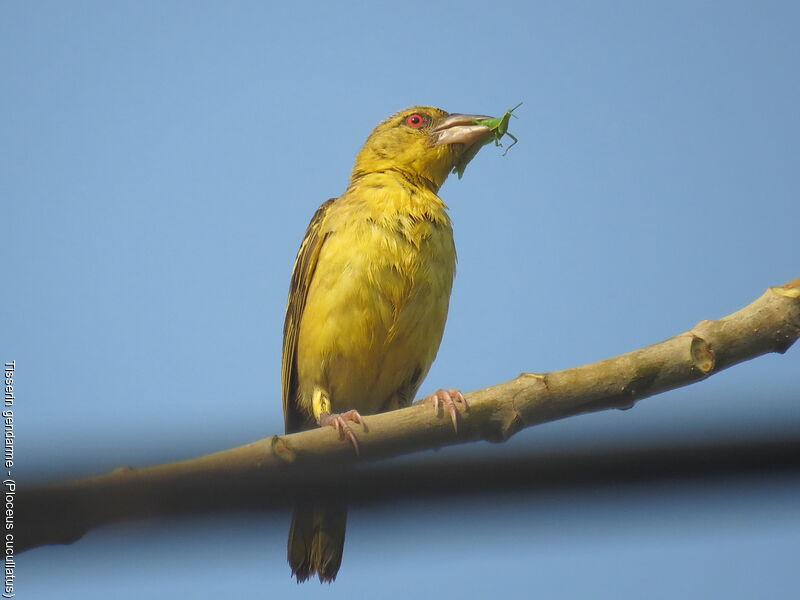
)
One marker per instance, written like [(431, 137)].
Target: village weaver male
[(368, 299)]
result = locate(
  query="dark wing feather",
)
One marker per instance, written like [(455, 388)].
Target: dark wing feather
[(304, 266)]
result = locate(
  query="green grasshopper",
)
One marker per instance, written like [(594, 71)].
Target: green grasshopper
[(498, 128)]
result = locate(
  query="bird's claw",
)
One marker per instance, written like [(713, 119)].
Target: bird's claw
[(339, 422), (448, 399)]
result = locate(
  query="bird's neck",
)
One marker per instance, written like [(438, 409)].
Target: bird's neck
[(404, 177), (390, 193)]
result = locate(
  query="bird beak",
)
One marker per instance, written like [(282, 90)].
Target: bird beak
[(460, 129)]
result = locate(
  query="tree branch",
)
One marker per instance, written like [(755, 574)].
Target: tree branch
[(283, 465)]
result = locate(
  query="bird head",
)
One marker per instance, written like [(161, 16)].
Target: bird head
[(422, 142)]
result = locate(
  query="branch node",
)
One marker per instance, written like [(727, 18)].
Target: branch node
[(702, 323), (282, 449), (626, 400), (540, 377), (702, 355), (787, 290), (508, 428), (638, 386), (784, 340)]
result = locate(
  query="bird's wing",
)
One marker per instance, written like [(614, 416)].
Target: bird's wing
[(303, 272)]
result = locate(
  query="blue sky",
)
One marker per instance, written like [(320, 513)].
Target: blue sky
[(160, 162)]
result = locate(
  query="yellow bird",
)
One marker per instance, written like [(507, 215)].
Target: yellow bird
[(368, 299)]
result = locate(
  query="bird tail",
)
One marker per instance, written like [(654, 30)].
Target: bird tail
[(316, 540)]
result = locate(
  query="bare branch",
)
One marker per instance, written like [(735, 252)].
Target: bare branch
[(283, 465)]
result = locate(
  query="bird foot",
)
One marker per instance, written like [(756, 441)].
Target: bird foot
[(448, 400), (339, 422)]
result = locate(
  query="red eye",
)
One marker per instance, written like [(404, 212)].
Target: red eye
[(415, 120)]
